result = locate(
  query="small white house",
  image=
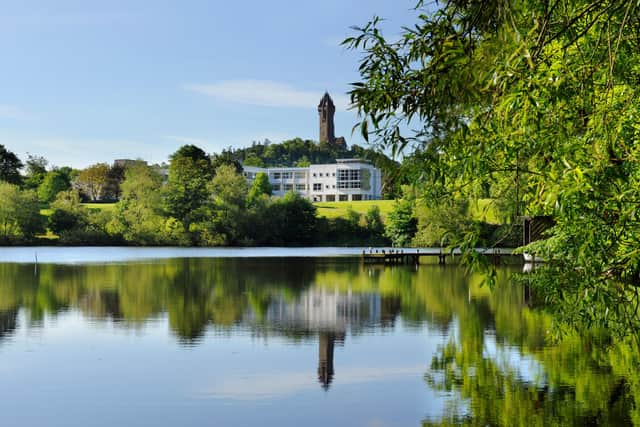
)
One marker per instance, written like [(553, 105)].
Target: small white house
[(345, 180)]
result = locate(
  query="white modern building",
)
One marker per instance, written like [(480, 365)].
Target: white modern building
[(345, 180)]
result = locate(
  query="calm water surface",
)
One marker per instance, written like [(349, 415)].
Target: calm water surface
[(210, 337)]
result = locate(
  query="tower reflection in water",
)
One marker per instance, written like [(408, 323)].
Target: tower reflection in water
[(330, 315), (325, 357)]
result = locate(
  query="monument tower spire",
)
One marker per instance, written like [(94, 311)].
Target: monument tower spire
[(326, 110)]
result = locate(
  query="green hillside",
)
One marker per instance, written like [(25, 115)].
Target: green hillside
[(299, 153)]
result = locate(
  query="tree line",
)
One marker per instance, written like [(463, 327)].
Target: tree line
[(204, 201)]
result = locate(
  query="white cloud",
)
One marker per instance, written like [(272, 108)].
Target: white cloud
[(265, 93), (12, 112)]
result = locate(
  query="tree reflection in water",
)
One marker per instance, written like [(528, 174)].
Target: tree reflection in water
[(496, 365), (8, 323)]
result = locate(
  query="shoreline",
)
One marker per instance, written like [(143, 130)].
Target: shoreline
[(101, 254)]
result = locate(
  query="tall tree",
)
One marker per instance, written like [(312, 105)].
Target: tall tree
[(10, 166), (141, 183), (53, 182), (543, 94), (228, 214), (374, 223), (19, 213), (36, 169), (115, 177), (186, 192), (138, 216), (93, 180), (259, 186), (401, 223)]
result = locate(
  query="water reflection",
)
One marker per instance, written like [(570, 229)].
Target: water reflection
[(8, 323), (321, 309), (487, 361), (325, 357), (328, 313)]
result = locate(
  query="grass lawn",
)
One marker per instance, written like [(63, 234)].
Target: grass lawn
[(339, 209), (482, 210), (100, 206), (92, 206)]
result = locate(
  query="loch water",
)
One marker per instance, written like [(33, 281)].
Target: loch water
[(303, 337)]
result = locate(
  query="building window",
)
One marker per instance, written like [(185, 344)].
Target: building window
[(344, 197), (276, 187), (331, 198), (275, 175), (356, 197), (349, 175), (301, 187), (287, 175), (314, 175), (333, 174), (300, 175), (348, 179), (317, 187), (288, 187)]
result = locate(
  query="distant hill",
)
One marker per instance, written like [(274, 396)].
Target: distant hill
[(299, 152)]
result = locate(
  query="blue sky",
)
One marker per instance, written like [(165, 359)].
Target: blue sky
[(91, 81)]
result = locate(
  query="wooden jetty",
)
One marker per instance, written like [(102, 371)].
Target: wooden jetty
[(411, 257)]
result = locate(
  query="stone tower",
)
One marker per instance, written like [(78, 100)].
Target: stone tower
[(326, 110)]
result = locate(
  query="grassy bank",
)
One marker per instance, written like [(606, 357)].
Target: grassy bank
[(482, 210), (339, 209)]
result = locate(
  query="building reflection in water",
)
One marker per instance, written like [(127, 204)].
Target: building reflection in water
[(330, 314)]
